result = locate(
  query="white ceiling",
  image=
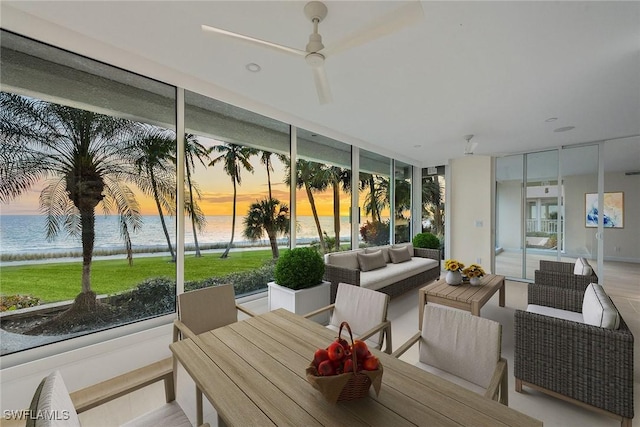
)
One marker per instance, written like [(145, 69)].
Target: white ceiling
[(497, 70)]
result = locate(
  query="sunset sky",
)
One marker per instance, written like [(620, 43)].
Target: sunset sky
[(217, 193)]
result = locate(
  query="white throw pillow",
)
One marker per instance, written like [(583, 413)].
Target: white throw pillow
[(582, 268), (598, 309)]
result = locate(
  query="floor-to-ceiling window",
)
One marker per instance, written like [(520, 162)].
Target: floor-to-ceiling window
[(88, 195), (374, 197), (433, 202), (237, 163), (324, 192), (402, 201)]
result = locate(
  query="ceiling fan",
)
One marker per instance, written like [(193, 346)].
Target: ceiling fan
[(469, 146), (315, 52)]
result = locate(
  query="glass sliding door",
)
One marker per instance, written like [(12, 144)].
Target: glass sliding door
[(541, 210), (509, 248), (579, 231)]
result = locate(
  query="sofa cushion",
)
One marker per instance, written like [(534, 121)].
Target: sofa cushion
[(378, 279), (598, 309), (408, 246), (399, 255), (582, 267), (555, 312), (384, 249), (372, 261), (347, 259)]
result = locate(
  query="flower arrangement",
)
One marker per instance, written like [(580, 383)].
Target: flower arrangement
[(474, 270), (453, 265)]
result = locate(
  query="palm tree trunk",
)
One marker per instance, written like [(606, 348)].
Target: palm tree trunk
[(275, 251), (164, 225), (233, 222), (336, 213), (372, 199), (88, 221), (315, 216), (193, 223), (269, 182)]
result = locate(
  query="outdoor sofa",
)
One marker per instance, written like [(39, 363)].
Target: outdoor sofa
[(391, 269)]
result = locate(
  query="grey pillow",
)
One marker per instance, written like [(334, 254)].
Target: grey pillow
[(399, 255), (371, 261)]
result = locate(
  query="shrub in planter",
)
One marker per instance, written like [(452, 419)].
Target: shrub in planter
[(426, 240), (299, 268)]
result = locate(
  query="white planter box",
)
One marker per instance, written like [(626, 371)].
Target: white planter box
[(301, 301)]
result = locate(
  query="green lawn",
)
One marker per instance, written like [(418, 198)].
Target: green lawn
[(61, 281)]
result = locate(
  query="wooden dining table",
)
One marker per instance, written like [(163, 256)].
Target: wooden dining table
[(253, 373)]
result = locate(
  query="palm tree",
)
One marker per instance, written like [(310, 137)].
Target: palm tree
[(265, 159), (193, 151), (312, 177), (270, 217), (432, 202), (152, 151), (377, 197), (79, 154), (338, 176), (234, 157)]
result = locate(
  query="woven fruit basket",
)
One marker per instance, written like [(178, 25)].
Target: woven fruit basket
[(344, 371)]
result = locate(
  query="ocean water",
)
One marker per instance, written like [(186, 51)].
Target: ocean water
[(25, 234)]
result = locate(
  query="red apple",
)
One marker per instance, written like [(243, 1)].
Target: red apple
[(371, 363), (348, 365), (320, 356), (343, 343), (326, 368), (360, 348), (336, 351)]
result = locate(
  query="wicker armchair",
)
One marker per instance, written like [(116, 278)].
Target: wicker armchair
[(560, 274), (583, 364)]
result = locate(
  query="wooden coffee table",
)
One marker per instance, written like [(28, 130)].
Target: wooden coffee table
[(463, 296)]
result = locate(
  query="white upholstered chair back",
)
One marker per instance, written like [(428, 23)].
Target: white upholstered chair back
[(464, 345), (363, 309)]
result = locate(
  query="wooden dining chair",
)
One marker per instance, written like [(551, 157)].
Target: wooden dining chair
[(462, 348), (203, 310), (366, 312), (52, 405)]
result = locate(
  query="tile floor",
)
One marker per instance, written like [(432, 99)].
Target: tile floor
[(404, 318)]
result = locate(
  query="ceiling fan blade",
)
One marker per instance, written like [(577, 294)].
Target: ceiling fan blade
[(322, 84), (275, 46), (388, 23)]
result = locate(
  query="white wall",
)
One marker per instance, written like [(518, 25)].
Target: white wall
[(470, 207), (84, 366)]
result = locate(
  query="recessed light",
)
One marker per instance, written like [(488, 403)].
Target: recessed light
[(564, 129), (253, 67), (551, 119)]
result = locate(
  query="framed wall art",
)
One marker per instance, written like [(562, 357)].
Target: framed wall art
[(613, 210)]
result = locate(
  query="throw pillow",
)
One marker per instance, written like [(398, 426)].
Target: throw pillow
[(399, 255), (347, 259), (371, 261), (598, 309), (384, 249), (582, 267)]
